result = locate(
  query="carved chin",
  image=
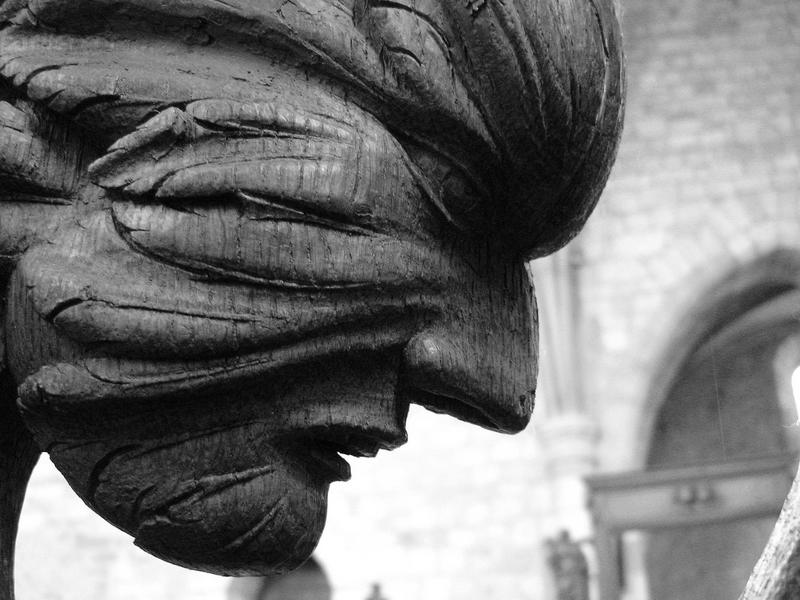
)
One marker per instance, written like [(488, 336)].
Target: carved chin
[(256, 510), (233, 482)]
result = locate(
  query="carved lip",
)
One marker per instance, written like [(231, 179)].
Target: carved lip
[(325, 449), (328, 463)]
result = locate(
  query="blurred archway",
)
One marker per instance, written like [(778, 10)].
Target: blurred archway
[(725, 403)]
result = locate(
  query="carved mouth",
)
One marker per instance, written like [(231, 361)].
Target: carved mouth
[(325, 449), (327, 462)]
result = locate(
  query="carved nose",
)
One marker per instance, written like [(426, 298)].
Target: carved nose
[(491, 384)]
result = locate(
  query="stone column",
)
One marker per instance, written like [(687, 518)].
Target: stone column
[(570, 442), (568, 433)]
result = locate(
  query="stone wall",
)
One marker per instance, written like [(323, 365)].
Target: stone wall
[(707, 179)]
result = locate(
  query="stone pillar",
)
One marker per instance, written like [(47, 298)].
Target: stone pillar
[(568, 432), (570, 442), (634, 544)]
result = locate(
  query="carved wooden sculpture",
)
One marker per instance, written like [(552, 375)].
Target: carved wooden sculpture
[(238, 237)]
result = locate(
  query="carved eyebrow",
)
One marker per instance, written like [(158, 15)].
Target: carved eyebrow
[(281, 162), (164, 157), (257, 119)]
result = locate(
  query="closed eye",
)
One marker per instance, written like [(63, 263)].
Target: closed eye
[(262, 208)]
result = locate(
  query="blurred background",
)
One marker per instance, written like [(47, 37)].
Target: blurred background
[(664, 437)]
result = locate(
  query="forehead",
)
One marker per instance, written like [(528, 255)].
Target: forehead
[(523, 98)]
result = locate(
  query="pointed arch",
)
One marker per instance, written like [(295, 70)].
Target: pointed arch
[(755, 295)]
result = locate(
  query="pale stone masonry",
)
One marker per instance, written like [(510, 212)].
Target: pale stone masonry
[(707, 179)]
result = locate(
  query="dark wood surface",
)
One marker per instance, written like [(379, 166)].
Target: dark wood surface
[(776, 576), (240, 237), (18, 455)]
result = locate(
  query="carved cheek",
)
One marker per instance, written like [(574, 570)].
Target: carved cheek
[(172, 449)]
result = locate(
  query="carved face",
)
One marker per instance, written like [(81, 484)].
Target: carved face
[(263, 229)]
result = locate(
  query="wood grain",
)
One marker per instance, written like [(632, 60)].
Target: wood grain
[(238, 239), (776, 576), (18, 455)]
